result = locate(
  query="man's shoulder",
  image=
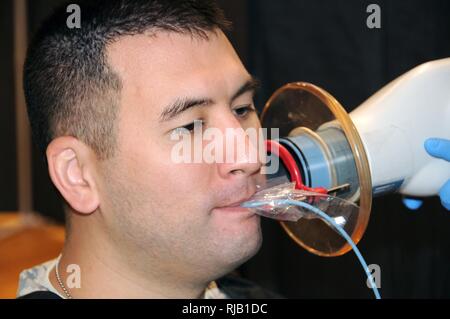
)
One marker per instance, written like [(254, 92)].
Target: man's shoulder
[(237, 287), (40, 295), (35, 279)]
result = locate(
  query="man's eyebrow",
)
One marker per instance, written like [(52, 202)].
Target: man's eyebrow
[(251, 85), (182, 104)]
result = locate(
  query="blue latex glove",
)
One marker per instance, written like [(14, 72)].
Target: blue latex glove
[(439, 148)]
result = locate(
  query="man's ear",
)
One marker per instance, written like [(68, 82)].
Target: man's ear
[(71, 165)]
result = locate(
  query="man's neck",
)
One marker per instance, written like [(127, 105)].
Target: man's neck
[(107, 273)]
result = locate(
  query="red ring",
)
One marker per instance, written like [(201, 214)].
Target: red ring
[(289, 162)]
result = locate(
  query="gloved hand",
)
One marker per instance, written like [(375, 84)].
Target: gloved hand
[(439, 148)]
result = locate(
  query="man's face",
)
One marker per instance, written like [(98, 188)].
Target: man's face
[(170, 210)]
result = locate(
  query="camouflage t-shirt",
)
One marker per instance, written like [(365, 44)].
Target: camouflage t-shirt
[(37, 279)]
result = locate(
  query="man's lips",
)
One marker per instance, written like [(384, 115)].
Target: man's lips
[(235, 207), (234, 210), (238, 202)]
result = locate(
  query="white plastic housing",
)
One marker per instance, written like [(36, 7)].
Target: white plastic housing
[(394, 123)]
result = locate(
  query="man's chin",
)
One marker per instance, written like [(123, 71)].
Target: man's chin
[(225, 252), (239, 250)]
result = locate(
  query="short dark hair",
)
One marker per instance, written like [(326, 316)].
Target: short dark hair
[(69, 87)]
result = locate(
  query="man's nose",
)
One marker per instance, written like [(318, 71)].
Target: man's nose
[(242, 153)]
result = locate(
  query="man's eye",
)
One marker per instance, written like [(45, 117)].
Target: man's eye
[(244, 110), (189, 127)]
